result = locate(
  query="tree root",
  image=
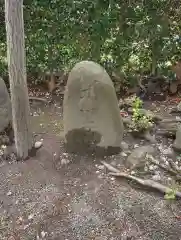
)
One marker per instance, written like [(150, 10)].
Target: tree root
[(146, 183), (110, 168)]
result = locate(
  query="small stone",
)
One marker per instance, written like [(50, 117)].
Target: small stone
[(169, 178), (123, 154), (113, 163), (38, 144), (30, 216), (3, 147), (155, 167), (9, 193), (35, 114), (167, 151), (124, 145), (100, 176), (146, 169), (64, 154), (178, 118), (19, 221), (26, 226), (156, 177), (163, 158), (136, 146), (43, 234), (157, 172), (176, 162), (97, 171), (167, 163), (100, 167), (112, 178), (64, 161), (132, 172), (151, 167)]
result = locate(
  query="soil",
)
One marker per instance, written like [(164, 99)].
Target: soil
[(61, 196)]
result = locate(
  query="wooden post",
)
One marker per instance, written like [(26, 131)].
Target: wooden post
[(17, 76)]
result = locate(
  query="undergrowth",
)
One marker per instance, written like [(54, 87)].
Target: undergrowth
[(140, 122)]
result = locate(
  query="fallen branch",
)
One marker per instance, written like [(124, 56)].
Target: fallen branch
[(164, 167), (174, 165), (38, 99), (146, 183), (110, 168), (174, 110), (173, 169)]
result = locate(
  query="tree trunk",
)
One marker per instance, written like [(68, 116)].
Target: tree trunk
[(17, 77), (154, 65), (154, 58)]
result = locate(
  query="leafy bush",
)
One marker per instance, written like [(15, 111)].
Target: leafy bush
[(170, 194), (132, 37), (140, 122)]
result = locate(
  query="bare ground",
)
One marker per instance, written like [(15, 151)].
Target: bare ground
[(58, 196)]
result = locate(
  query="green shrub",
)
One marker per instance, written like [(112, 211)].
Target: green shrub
[(140, 122)]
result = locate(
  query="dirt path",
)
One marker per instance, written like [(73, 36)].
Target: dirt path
[(57, 196)]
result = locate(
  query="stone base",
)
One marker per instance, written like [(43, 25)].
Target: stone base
[(83, 142)]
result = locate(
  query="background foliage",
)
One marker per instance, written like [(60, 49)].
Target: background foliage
[(131, 37)]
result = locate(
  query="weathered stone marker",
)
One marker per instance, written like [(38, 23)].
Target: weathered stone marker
[(91, 115), (5, 106)]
